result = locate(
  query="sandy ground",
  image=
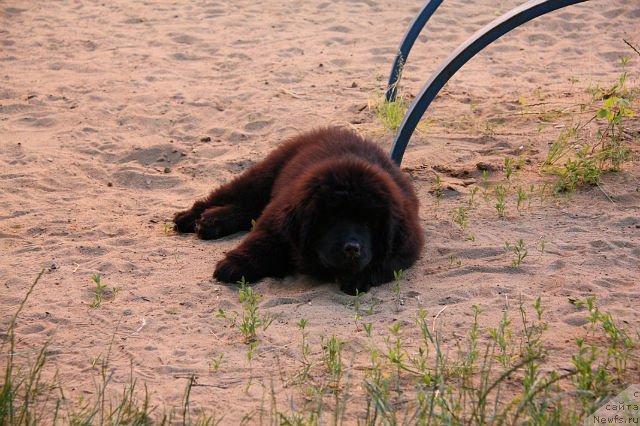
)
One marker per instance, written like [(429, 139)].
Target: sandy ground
[(114, 115)]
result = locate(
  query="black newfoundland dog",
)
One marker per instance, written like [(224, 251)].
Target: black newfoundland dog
[(327, 203)]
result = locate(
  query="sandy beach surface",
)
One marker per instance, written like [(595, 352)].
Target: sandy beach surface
[(114, 115)]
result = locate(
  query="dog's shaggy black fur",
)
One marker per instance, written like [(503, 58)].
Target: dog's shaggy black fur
[(328, 203)]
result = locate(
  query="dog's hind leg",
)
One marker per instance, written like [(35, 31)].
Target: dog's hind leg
[(233, 206), (228, 209)]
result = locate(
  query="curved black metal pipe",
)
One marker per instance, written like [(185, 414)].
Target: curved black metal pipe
[(481, 39), (405, 47)]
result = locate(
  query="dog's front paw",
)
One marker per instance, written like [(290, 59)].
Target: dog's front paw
[(353, 285), (235, 269), (220, 221), (185, 221), (213, 223)]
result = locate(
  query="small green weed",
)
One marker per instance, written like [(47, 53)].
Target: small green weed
[(305, 350), (214, 362), (438, 190), (509, 164), (575, 173), (250, 321), (459, 216), (359, 308), (101, 291), (389, 113), (522, 197), (612, 151), (357, 305), (520, 251), (98, 292), (471, 202), (454, 261), (397, 278), (332, 357), (503, 338), (562, 146), (501, 196)]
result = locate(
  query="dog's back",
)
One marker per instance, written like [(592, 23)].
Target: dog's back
[(309, 149)]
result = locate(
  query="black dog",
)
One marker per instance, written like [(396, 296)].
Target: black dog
[(328, 203)]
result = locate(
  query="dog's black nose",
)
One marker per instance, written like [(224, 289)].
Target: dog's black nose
[(351, 249)]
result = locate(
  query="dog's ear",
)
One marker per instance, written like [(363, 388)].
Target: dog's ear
[(390, 224), (304, 211), (300, 218), (400, 230)]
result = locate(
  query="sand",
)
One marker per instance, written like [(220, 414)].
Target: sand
[(114, 115)]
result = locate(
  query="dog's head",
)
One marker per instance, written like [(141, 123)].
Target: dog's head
[(341, 216)]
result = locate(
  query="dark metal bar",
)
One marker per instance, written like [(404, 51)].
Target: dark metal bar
[(481, 39), (405, 47)]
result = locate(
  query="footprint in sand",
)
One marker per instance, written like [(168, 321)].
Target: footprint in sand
[(290, 52), (137, 179), (184, 39), (214, 13), (15, 109), (31, 329), (37, 122), (156, 155), (339, 29), (186, 57), (577, 319), (258, 125)]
